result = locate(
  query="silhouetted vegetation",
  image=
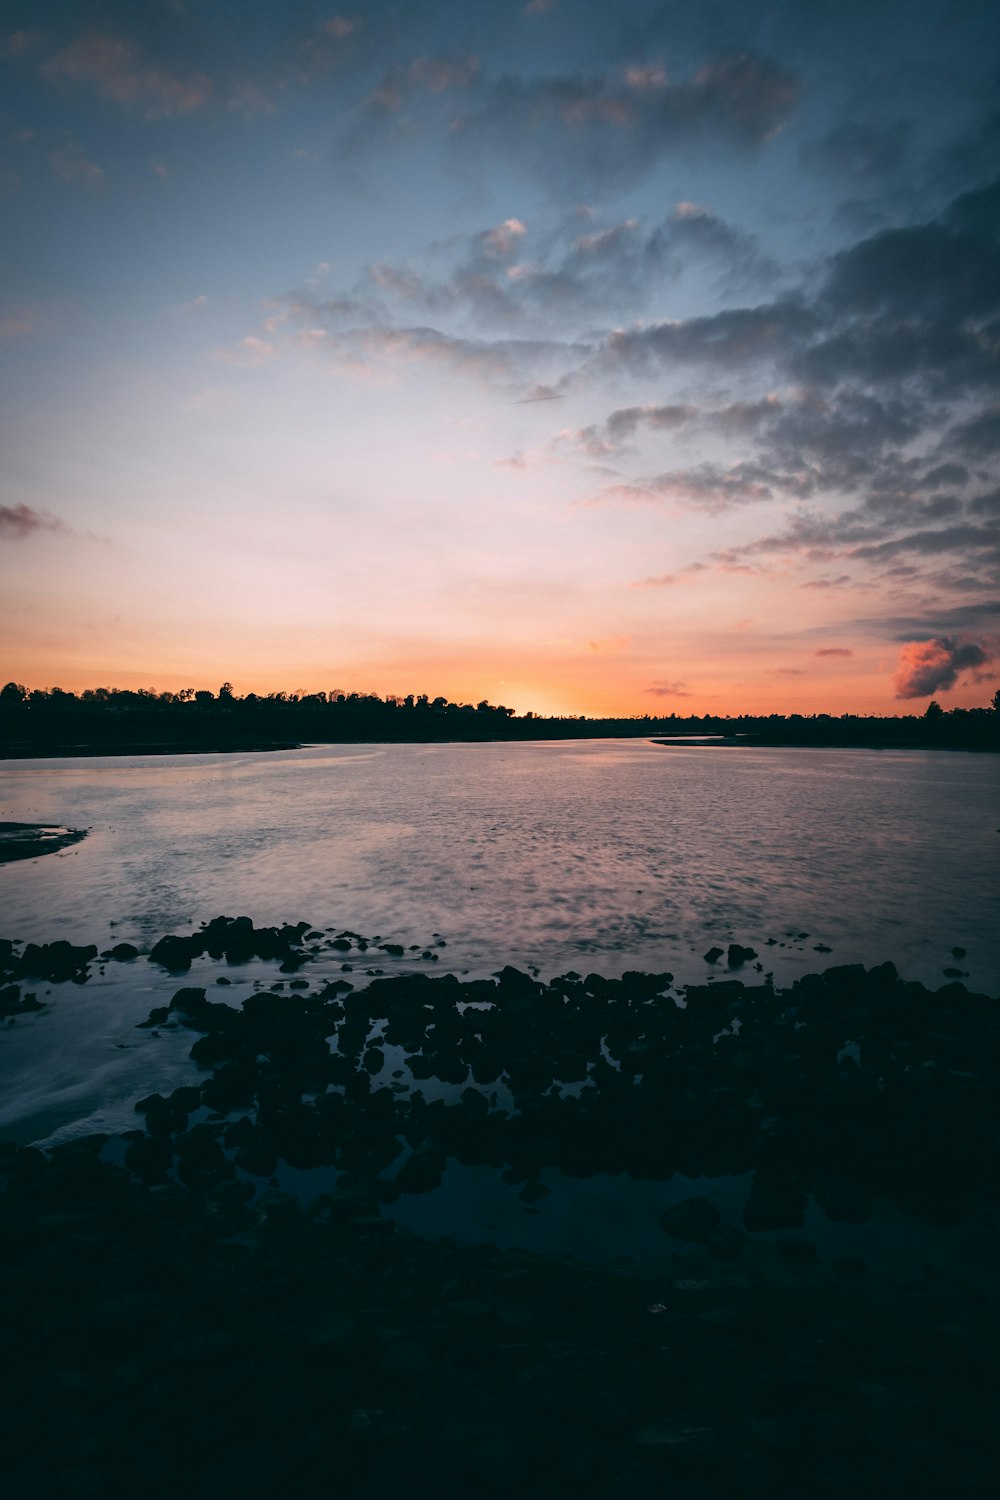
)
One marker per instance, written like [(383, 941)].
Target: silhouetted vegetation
[(102, 721)]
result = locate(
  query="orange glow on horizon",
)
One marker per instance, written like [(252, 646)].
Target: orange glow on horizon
[(594, 688)]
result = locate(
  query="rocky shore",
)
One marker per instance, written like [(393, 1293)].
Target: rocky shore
[(173, 1318)]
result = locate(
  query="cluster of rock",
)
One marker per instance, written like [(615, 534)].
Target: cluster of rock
[(55, 962), (149, 1307), (235, 939), (149, 1350), (848, 1085)]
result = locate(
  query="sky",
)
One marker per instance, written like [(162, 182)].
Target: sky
[(589, 359)]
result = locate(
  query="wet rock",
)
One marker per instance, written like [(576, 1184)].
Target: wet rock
[(157, 1016), (12, 1003), (736, 954), (174, 953), (58, 961), (691, 1219), (713, 955)]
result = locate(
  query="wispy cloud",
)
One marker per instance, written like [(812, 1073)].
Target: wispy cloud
[(113, 68), (16, 322), (71, 164), (19, 522)]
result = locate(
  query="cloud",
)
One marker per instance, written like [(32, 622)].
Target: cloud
[(666, 580), (372, 345), (734, 337), (18, 522), (424, 75), (539, 393), (249, 353), (72, 165), (834, 651), (933, 542), (844, 581), (668, 690), (934, 666), (705, 487), (979, 437), (112, 68), (581, 267), (858, 149), (938, 619), (15, 323), (740, 97), (605, 128), (700, 235), (930, 271), (341, 27)]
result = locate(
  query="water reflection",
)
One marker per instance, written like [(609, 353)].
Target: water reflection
[(616, 854)]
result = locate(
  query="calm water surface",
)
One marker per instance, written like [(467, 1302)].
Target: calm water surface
[(606, 855)]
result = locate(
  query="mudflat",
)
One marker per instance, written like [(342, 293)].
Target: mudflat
[(30, 840)]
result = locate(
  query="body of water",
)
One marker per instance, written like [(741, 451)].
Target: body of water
[(602, 855)]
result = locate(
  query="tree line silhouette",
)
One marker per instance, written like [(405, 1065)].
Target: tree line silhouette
[(103, 720)]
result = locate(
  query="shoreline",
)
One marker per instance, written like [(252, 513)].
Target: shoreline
[(110, 750)]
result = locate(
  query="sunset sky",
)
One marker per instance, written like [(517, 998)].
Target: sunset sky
[(583, 357)]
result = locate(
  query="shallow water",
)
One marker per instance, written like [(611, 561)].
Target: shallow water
[(609, 853), (603, 855)]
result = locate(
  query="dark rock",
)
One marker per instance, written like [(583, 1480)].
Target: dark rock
[(691, 1219), (173, 953), (713, 955), (157, 1016), (737, 954), (58, 961)]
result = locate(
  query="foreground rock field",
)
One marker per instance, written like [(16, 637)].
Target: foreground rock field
[(173, 1320)]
